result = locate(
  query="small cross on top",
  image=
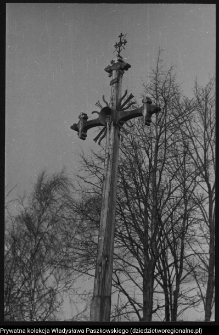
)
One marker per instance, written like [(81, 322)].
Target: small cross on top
[(120, 45)]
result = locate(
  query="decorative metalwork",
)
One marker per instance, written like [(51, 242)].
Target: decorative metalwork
[(119, 115), (120, 45), (103, 131), (98, 104)]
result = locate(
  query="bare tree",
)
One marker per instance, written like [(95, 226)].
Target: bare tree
[(39, 263), (178, 225), (135, 255), (156, 214), (199, 131)]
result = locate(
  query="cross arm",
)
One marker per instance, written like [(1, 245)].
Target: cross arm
[(125, 116), (118, 117), (91, 124), (147, 110), (83, 125)]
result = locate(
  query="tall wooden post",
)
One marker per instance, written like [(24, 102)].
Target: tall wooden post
[(101, 302), (112, 119)]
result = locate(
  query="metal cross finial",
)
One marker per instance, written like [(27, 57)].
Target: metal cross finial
[(120, 45)]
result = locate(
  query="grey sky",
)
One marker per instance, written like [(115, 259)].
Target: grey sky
[(55, 59)]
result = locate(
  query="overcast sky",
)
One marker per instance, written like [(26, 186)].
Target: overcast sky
[(55, 59)]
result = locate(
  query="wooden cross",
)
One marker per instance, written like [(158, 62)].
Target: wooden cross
[(112, 118)]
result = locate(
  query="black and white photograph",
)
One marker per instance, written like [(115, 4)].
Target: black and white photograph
[(110, 162)]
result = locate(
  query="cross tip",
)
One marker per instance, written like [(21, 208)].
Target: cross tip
[(119, 45)]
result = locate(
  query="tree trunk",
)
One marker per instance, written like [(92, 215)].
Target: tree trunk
[(148, 274), (167, 305), (210, 284), (148, 287), (175, 303)]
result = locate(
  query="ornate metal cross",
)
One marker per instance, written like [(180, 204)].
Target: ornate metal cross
[(119, 45), (112, 118)]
